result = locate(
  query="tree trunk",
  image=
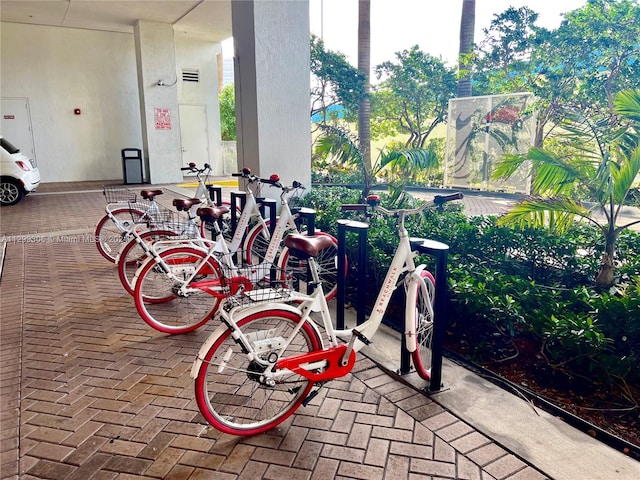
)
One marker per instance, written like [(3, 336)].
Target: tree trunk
[(364, 65), (467, 27), (606, 273)]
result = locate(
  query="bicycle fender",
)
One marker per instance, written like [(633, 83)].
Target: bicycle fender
[(410, 315), (204, 348)]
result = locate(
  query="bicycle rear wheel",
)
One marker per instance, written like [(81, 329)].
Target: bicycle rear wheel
[(327, 259), (134, 253), (425, 296), (109, 236), (231, 390), (157, 295)]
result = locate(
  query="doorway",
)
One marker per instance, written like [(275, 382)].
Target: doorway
[(194, 134), (16, 124)]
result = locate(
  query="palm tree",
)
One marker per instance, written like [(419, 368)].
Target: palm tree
[(594, 158), (338, 143), (467, 27), (364, 65)]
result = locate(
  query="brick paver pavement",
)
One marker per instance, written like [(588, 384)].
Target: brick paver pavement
[(89, 391)]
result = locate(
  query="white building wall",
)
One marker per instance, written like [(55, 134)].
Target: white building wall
[(60, 69), (155, 53), (201, 55)]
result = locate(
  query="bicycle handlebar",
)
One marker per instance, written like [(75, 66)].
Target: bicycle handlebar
[(442, 199), (274, 180), (437, 201), (192, 168)]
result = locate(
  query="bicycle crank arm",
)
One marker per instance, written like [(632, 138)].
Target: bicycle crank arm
[(355, 334), (328, 361)]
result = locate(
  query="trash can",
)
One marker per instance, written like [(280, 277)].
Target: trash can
[(132, 165)]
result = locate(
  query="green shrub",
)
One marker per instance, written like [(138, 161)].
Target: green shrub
[(506, 283)]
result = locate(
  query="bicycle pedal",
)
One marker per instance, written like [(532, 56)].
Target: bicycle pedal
[(361, 337), (310, 397)]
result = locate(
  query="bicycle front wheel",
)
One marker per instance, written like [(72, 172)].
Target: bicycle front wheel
[(240, 396), (425, 296), (157, 294), (134, 253), (110, 234)]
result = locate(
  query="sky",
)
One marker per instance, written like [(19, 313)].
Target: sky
[(433, 25)]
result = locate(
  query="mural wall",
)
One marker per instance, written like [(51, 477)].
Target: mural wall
[(482, 129)]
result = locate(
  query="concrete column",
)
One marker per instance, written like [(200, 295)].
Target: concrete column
[(156, 61), (272, 65)]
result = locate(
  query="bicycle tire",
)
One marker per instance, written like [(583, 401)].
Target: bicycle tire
[(425, 292), (256, 243), (108, 237), (155, 291), (296, 269), (133, 255), (228, 390)]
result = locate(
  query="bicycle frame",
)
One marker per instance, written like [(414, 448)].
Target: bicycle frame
[(337, 359)]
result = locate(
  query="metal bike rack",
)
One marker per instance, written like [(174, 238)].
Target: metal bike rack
[(306, 216), (271, 206), (238, 201), (440, 253), (361, 229), (215, 194)]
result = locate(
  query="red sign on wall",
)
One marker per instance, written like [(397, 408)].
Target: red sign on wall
[(162, 117), (9, 117)]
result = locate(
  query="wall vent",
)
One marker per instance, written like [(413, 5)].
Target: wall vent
[(190, 75)]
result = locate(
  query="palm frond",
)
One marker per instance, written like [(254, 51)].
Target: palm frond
[(410, 159), (555, 175), (507, 165), (625, 176), (340, 144), (556, 214), (627, 103)]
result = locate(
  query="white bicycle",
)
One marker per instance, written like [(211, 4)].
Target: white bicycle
[(263, 361)]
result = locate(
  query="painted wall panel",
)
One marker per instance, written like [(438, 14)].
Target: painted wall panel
[(61, 69)]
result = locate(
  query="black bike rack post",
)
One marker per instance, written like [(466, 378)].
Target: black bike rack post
[(361, 229), (272, 206), (215, 194), (238, 201), (440, 253), (306, 216)]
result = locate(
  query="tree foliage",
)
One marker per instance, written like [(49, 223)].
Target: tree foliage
[(339, 144), (228, 113), (413, 96), (593, 156), (334, 81), (579, 66)]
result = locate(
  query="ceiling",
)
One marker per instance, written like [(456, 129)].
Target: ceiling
[(206, 19)]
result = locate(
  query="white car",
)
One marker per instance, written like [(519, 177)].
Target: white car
[(19, 174)]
